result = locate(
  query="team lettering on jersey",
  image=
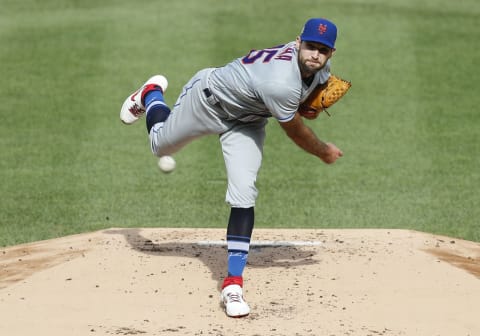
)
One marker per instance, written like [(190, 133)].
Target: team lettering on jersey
[(266, 55)]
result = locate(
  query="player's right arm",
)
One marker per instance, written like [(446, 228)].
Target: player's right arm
[(306, 139)]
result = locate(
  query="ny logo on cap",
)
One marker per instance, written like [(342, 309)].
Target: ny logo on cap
[(322, 28)]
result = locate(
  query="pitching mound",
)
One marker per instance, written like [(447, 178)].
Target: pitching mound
[(297, 282)]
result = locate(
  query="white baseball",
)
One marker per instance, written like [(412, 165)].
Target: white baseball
[(166, 164)]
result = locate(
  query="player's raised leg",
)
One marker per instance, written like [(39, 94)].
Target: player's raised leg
[(134, 106)]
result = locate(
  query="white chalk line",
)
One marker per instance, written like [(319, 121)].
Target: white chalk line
[(264, 243)]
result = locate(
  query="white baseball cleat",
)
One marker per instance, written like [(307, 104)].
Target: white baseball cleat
[(232, 299), (132, 108)]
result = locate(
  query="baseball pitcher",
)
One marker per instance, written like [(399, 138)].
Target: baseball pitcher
[(286, 82)]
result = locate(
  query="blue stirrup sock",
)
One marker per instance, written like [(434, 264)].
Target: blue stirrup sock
[(156, 109), (237, 254)]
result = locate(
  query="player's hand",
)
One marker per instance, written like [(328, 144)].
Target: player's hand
[(310, 113), (331, 153)]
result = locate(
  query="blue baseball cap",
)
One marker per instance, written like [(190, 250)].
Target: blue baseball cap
[(321, 31)]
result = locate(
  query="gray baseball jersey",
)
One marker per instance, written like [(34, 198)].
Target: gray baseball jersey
[(262, 84), (235, 102)]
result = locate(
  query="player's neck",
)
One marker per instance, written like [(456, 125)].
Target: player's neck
[(308, 80)]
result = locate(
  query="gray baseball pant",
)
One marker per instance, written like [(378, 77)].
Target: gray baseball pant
[(195, 114)]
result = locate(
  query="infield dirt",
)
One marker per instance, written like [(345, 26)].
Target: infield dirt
[(167, 282)]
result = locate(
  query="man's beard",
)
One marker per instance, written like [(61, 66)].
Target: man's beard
[(309, 70)]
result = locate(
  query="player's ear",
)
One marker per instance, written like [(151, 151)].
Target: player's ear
[(298, 41), (332, 52)]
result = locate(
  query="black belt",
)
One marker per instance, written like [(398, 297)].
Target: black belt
[(207, 92), (211, 99)]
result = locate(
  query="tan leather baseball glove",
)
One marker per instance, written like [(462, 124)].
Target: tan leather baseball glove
[(324, 96)]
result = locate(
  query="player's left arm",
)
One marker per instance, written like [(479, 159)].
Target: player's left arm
[(306, 139)]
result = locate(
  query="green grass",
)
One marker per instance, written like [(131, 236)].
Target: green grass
[(408, 127)]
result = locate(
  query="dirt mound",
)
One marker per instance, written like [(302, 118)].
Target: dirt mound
[(297, 282)]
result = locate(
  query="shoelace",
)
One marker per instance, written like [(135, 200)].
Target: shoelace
[(234, 297)]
